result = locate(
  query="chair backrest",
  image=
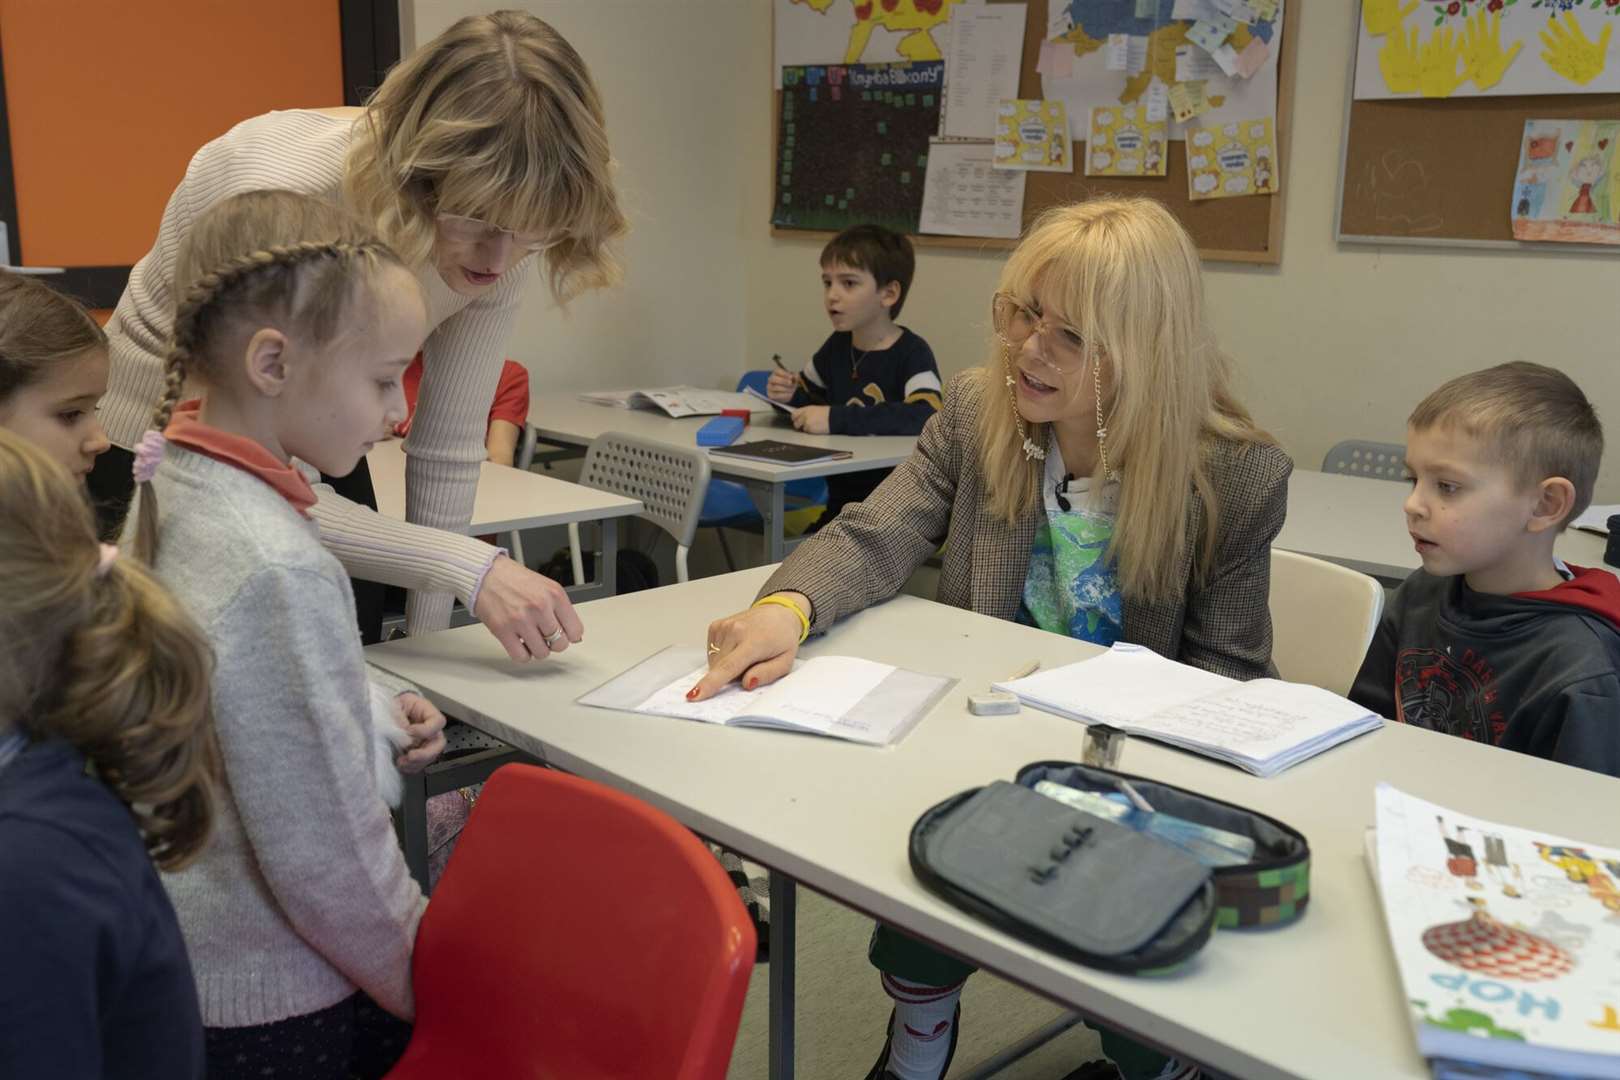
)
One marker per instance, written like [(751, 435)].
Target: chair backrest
[(669, 480), (577, 932), (758, 380), (1322, 619), (1363, 457)]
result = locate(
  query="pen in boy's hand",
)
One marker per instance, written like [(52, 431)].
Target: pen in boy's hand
[(776, 358)]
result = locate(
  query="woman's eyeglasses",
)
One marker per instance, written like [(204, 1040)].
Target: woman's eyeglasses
[(1062, 346), (468, 230)]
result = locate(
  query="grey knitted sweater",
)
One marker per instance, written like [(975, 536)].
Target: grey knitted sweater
[(302, 894)]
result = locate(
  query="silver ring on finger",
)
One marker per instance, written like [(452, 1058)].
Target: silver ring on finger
[(552, 639)]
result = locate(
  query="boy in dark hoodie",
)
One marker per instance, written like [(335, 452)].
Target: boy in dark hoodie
[(1494, 639)]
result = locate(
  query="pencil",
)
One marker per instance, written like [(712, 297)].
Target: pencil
[(776, 358)]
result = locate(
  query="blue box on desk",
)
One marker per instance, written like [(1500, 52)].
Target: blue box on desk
[(721, 431)]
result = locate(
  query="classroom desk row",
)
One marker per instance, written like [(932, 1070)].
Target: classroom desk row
[(1319, 999)]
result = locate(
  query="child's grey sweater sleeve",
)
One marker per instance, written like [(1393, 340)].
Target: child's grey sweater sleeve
[(294, 723)]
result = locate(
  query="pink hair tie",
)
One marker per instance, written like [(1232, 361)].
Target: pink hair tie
[(148, 455), (109, 552)]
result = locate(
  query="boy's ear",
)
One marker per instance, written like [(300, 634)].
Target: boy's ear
[(889, 294), (1554, 500), (265, 362)]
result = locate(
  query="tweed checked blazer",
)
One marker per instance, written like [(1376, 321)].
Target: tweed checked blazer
[(869, 551)]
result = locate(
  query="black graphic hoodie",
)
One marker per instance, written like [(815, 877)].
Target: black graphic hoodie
[(1537, 672)]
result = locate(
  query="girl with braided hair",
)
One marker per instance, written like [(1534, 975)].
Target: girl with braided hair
[(482, 154), (300, 917), (107, 761)]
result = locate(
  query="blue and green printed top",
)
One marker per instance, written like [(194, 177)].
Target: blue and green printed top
[(1070, 588)]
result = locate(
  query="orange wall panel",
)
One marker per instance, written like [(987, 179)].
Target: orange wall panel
[(108, 100)]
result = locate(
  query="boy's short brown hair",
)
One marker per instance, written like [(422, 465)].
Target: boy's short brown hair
[(886, 255), (1532, 418)]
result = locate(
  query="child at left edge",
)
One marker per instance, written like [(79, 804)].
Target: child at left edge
[(871, 376), (507, 414), (1494, 639)]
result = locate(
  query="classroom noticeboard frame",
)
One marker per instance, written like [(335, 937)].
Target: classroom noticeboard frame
[(1243, 230), (1439, 172)]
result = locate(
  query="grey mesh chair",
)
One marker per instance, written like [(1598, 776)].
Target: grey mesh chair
[(669, 480), (1363, 457)]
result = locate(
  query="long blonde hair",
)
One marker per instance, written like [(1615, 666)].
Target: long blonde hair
[(1127, 275), (497, 118), (278, 257), (103, 657)]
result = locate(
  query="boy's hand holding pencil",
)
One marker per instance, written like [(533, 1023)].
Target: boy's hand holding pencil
[(783, 383)]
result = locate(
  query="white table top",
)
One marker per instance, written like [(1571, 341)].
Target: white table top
[(1357, 522), (507, 499), (563, 418), (1319, 999)]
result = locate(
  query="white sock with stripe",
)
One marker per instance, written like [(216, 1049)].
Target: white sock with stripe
[(920, 1036)]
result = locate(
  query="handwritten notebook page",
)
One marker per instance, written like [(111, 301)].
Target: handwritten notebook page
[(1261, 720), (815, 696), (1122, 687)]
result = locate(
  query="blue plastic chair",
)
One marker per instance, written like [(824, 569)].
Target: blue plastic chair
[(727, 505)]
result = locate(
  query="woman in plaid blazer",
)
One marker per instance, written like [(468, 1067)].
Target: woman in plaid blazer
[(1101, 369)]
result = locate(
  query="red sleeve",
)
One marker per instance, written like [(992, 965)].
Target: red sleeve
[(410, 381), (512, 395)]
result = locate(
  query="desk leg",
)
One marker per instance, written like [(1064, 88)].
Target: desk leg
[(783, 901), (608, 573), (769, 500)]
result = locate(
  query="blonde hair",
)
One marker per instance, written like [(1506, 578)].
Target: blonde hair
[(105, 659), (496, 118), (278, 257), (1529, 417), (1127, 275), (39, 327)]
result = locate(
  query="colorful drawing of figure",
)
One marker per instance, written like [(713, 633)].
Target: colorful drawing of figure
[(1155, 156), (1460, 860), (1586, 172), (1581, 869), (1496, 860), (1483, 944)]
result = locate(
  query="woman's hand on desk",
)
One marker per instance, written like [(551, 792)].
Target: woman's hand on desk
[(523, 609), (753, 647)]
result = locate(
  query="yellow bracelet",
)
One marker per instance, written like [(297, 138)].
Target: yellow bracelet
[(782, 601)]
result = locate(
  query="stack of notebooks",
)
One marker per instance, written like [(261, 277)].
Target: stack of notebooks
[(1264, 726), (676, 401), (1507, 941)]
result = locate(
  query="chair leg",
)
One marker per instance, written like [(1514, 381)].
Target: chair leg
[(680, 563), (575, 559), (725, 549), (514, 544), (411, 824)]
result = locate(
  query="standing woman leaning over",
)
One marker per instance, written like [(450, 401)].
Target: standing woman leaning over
[(1095, 478), (484, 147)]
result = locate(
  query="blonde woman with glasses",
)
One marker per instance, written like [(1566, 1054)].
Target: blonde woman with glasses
[(482, 152), (1094, 478)]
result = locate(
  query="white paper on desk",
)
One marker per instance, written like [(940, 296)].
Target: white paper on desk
[(772, 402), (1595, 518), (965, 195), (981, 67)]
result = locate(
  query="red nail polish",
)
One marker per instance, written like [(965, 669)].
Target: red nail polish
[(692, 694), (751, 684)]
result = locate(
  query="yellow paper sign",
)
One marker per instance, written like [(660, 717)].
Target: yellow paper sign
[(1232, 159), (1032, 135), (1122, 141), (1187, 100)]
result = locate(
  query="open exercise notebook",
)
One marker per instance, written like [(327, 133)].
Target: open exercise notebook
[(1264, 726), (676, 401), (842, 696)]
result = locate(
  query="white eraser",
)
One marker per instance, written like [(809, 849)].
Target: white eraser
[(993, 703)]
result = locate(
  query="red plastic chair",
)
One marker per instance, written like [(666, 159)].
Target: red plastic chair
[(577, 933)]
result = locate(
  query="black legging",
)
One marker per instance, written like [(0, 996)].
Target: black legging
[(111, 484)]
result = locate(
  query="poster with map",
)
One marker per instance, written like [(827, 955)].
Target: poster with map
[(821, 32), (852, 144)]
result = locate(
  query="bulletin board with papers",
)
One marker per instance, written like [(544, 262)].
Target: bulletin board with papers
[(1037, 104)]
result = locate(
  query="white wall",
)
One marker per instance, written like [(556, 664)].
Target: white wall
[(1339, 341)]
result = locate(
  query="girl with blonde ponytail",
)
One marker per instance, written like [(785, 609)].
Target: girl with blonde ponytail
[(1095, 478), (107, 759)]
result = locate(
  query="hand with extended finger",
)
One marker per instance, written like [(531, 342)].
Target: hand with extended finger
[(754, 647), (529, 614)]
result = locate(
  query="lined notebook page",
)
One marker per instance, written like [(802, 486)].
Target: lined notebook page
[(815, 696), (1260, 719), (1122, 687)]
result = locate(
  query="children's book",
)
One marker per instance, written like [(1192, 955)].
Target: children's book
[(780, 453), (845, 697), (1263, 726), (1507, 941), (676, 401)]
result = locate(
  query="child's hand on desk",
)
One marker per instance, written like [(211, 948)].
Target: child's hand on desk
[(424, 723), (812, 419), (781, 386), (753, 647)]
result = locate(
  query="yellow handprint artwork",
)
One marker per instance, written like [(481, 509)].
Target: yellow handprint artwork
[(1571, 53), (1382, 16), (1398, 60), (1483, 58), (1440, 69)]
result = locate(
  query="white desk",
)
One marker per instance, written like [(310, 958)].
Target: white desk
[(564, 420), (1358, 522), (512, 499), (1318, 999)]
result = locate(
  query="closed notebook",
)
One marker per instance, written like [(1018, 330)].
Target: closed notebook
[(846, 697), (781, 453), (1263, 726)]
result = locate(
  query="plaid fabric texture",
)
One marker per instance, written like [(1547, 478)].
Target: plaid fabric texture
[(937, 494)]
